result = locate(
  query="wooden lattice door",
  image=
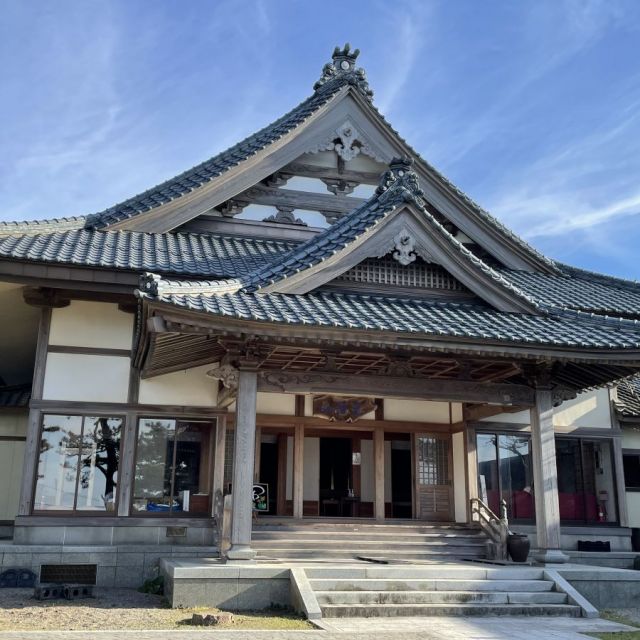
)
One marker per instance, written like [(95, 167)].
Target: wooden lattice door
[(434, 488)]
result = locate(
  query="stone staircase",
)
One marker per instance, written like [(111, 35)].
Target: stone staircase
[(444, 590), (340, 542)]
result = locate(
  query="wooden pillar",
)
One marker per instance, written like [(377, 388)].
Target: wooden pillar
[(471, 461), (126, 472), (281, 498), (618, 469), (219, 460), (243, 463), (32, 444), (298, 471), (378, 468), (545, 479)]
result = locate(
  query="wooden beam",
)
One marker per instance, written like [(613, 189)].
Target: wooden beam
[(306, 200), (314, 171), (396, 387)]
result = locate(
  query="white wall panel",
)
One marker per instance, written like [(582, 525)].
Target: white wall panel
[(91, 324), (11, 463), (416, 410), (367, 471), (590, 409), (459, 477), (86, 378), (311, 481), (189, 388), (14, 422), (280, 404)]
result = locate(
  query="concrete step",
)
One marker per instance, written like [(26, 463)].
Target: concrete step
[(457, 543), (445, 554), (437, 572), (377, 584), (382, 538), (469, 609), (437, 597)]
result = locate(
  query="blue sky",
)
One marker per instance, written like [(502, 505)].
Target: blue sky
[(532, 108)]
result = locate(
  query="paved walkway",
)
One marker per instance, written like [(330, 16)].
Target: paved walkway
[(529, 628)]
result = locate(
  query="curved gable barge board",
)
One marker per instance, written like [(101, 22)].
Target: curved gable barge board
[(461, 210), (429, 240), (238, 178), (385, 141)]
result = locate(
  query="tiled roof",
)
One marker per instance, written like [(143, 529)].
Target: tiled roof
[(204, 172), (17, 396), (415, 316), (399, 185), (193, 254), (628, 403), (579, 290)]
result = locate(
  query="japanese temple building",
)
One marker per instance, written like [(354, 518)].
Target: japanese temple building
[(318, 312)]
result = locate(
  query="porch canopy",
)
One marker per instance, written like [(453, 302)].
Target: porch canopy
[(328, 316)]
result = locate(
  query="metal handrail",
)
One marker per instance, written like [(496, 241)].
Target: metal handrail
[(497, 528)]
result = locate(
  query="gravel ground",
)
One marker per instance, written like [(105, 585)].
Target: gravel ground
[(114, 609)]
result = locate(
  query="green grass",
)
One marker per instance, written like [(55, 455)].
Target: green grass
[(617, 635)]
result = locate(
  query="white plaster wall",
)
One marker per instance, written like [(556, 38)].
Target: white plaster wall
[(14, 423), (191, 387), (311, 481), (416, 410), (86, 378), (459, 474), (633, 508), (289, 468), (91, 324), (367, 482), (631, 439), (282, 404), (590, 409), (456, 412), (521, 417), (11, 463)]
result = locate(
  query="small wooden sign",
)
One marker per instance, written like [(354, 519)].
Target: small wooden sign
[(261, 497), (342, 408)]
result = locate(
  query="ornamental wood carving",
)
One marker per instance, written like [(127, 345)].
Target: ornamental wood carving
[(342, 408)]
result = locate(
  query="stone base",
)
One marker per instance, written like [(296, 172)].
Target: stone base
[(550, 556), (241, 554)]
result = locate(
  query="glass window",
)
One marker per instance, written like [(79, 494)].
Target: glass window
[(488, 487), (516, 481), (505, 473), (78, 464), (631, 463), (586, 484), (173, 467)]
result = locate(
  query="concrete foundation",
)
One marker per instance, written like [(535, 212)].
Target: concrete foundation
[(604, 588), (117, 566)]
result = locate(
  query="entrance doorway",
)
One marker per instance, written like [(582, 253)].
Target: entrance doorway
[(434, 488), (336, 491)]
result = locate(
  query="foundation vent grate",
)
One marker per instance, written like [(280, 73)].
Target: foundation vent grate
[(68, 573)]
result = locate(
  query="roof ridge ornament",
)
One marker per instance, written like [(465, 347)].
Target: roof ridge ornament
[(343, 69), (400, 175)]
